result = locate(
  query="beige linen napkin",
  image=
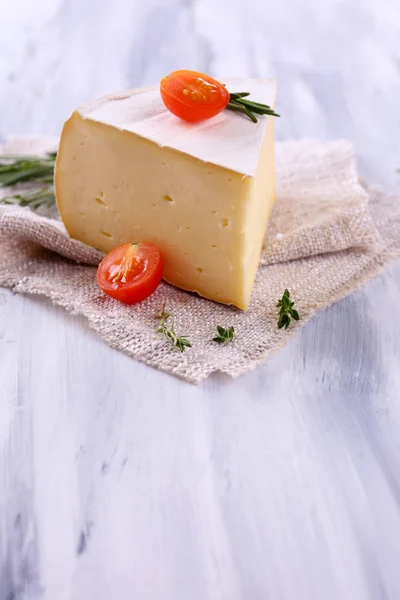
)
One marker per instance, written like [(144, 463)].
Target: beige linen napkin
[(328, 235)]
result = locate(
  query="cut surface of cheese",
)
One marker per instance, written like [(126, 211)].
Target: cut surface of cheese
[(128, 170)]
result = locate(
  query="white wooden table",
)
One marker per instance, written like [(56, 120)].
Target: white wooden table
[(119, 482)]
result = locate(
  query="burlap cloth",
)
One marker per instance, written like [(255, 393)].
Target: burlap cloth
[(328, 235)]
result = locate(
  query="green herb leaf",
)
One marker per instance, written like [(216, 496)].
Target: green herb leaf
[(238, 102), (235, 96), (166, 327), (34, 199), (23, 169), (225, 335), (286, 311), (284, 321), (240, 108)]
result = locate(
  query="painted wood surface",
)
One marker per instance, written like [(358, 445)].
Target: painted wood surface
[(119, 482)]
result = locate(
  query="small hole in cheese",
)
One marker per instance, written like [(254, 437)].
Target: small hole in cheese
[(209, 172), (100, 201), (199, 269), (153, 204), (225, 222), (214, 246), (214, 212), (187, 227), (167, 198), (106, 234)]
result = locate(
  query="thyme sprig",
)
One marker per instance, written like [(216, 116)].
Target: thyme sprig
[(166, 328), (224, 335), (286, 311)]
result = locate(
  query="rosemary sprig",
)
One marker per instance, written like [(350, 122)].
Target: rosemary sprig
[(286, 311), (16, 169), (166, 327), (23, 169), (34, 199), (224, 335), (239, 103)]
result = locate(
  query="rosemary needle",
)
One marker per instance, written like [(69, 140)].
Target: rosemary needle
[(238, 101), (28, 169)]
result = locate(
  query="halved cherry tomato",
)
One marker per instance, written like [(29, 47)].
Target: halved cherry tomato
[(192, 96), (130, 273)]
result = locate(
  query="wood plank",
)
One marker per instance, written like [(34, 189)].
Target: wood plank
[(118, 480)]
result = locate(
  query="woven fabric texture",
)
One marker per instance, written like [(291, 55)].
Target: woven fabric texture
[(328, 235)]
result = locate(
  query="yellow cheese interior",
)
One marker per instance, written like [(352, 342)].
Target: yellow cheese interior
[(209, 223)]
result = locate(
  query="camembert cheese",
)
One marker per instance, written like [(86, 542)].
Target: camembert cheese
[(128, 170)]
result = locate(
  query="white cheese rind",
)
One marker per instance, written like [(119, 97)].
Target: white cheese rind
[(142, 112), (114, 186)]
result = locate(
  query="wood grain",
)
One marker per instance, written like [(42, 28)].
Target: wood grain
[(117, 481)]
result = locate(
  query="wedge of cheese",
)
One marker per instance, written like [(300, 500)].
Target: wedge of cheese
[(128, 170)]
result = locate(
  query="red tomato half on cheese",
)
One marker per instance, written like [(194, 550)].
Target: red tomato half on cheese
[(131, 273), (192, 96)]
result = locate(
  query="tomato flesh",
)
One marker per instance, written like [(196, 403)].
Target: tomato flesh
[(192, 96), (131, 273)]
